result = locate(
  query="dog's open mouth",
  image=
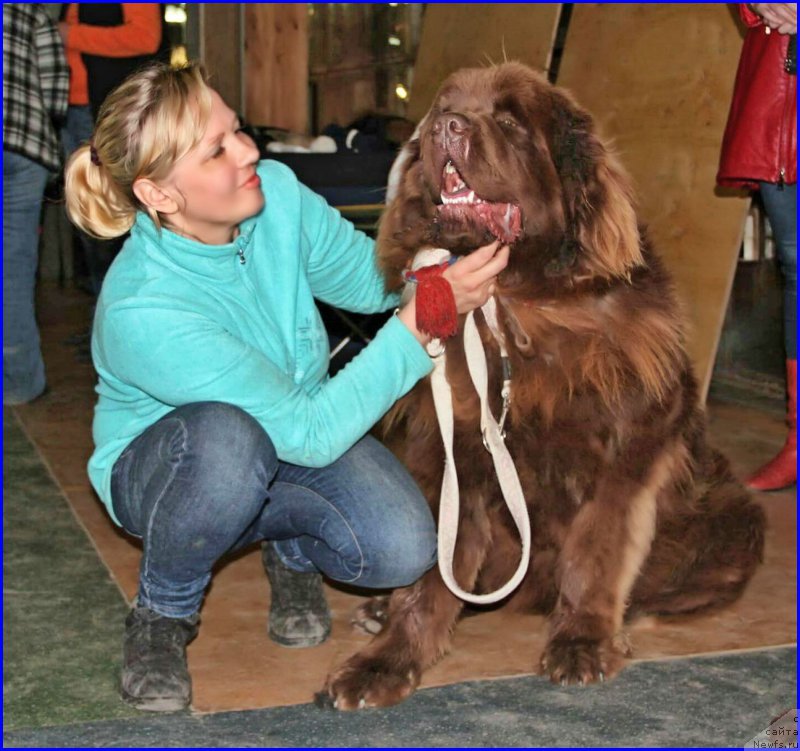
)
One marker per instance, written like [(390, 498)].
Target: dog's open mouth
[(459, 203)]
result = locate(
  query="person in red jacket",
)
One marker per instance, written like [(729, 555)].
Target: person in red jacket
[(759, 152)]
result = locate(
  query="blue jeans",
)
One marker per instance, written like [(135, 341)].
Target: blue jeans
[(24, 182), (781, 207), (205, 480), (78, 129)]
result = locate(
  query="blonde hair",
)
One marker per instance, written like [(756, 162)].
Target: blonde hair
[(149, 122)]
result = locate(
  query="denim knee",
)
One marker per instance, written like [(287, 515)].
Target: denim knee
[(400, 557), (227, 446)]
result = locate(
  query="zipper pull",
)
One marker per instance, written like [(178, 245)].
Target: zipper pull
[(240, 253), (781, 180)]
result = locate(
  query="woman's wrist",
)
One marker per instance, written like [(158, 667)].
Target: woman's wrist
[(408, 316)]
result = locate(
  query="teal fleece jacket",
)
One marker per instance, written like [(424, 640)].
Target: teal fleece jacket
[(178, 322)]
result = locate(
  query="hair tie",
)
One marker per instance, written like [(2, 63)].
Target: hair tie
[(94, 156)]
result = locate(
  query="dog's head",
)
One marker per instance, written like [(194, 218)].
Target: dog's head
[(503, 154)]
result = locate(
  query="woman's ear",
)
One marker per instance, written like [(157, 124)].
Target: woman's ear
[(155, 197)]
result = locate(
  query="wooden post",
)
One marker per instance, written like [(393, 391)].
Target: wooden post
[(220, 32), (276, 65)]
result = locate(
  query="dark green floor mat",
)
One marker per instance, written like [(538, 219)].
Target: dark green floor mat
[(722, 700), (62, 613)]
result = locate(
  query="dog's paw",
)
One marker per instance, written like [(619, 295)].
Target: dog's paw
[(367, 682), (582, 661), (370, 617)]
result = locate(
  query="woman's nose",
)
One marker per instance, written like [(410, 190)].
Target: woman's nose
[(249, 152)]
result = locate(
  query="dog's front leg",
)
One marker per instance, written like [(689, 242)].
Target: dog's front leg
[(417, 632), (605, 547)]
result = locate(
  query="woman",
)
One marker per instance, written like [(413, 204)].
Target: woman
[(759, 151), (216, 424)]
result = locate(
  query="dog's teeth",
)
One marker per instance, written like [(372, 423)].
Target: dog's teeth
[(471, 197), (362, 703)]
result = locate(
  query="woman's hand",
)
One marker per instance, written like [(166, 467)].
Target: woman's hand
[(779, 16), (472, 279)]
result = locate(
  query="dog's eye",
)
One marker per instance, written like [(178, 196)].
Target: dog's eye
[(507, 122)]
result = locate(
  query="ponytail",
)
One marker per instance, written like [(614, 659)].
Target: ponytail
[(95, 203)]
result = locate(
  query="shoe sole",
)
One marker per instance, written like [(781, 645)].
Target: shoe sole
[(156, 704), (297, 642)]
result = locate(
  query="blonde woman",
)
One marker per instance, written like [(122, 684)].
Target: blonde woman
[(217, 425)]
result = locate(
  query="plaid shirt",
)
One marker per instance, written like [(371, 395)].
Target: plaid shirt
[(35, 83)]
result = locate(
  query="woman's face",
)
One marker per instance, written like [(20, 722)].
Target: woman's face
[(215, 185)]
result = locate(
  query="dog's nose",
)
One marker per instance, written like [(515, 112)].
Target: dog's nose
[(452, 125)]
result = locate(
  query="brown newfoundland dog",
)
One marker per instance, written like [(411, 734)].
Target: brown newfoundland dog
[(631, 510)]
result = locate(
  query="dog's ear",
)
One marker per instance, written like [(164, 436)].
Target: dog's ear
[(407, 154), (597, 193), (406, 220)]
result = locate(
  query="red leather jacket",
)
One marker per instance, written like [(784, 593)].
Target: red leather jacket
[(760, 141)]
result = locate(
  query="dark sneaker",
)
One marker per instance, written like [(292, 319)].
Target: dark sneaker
[(299, 614), (155, 677)]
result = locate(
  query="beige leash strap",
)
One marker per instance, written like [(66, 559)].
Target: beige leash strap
[(493, 440)]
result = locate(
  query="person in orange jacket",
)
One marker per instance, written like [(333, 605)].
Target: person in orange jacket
[(759, 152), (104, 43)]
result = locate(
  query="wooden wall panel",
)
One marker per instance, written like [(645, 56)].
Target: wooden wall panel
[(458, 35), (276, 65), (658, 78), (221, 47)]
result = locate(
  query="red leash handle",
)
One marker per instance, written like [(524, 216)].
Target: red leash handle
[(436, 310)]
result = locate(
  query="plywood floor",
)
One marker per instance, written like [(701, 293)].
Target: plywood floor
[(233, 663)]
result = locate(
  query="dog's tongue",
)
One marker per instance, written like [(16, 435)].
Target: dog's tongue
[(503, 220)]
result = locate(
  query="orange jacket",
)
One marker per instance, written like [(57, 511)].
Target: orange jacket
[(139, 34), (760, 141)]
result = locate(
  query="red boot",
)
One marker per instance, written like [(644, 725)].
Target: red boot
[(781, 472)]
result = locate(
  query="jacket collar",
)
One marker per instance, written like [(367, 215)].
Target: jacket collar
[(215, 261)]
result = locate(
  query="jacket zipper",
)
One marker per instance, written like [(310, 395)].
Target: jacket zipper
[(240, 253), (782, 140)]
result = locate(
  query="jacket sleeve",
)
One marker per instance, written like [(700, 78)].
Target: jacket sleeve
[(178, 357), (53, 68), (341, 263), (749, 17), (138, 34)]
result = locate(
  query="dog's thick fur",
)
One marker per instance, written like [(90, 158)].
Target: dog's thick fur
[(631, 510)]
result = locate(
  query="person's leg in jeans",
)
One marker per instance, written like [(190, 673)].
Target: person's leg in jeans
[(99, 254), (362, 521), (24, 182), (205, 480), (781, 208)]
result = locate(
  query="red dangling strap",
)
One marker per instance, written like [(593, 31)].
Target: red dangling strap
[(435, 304)]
